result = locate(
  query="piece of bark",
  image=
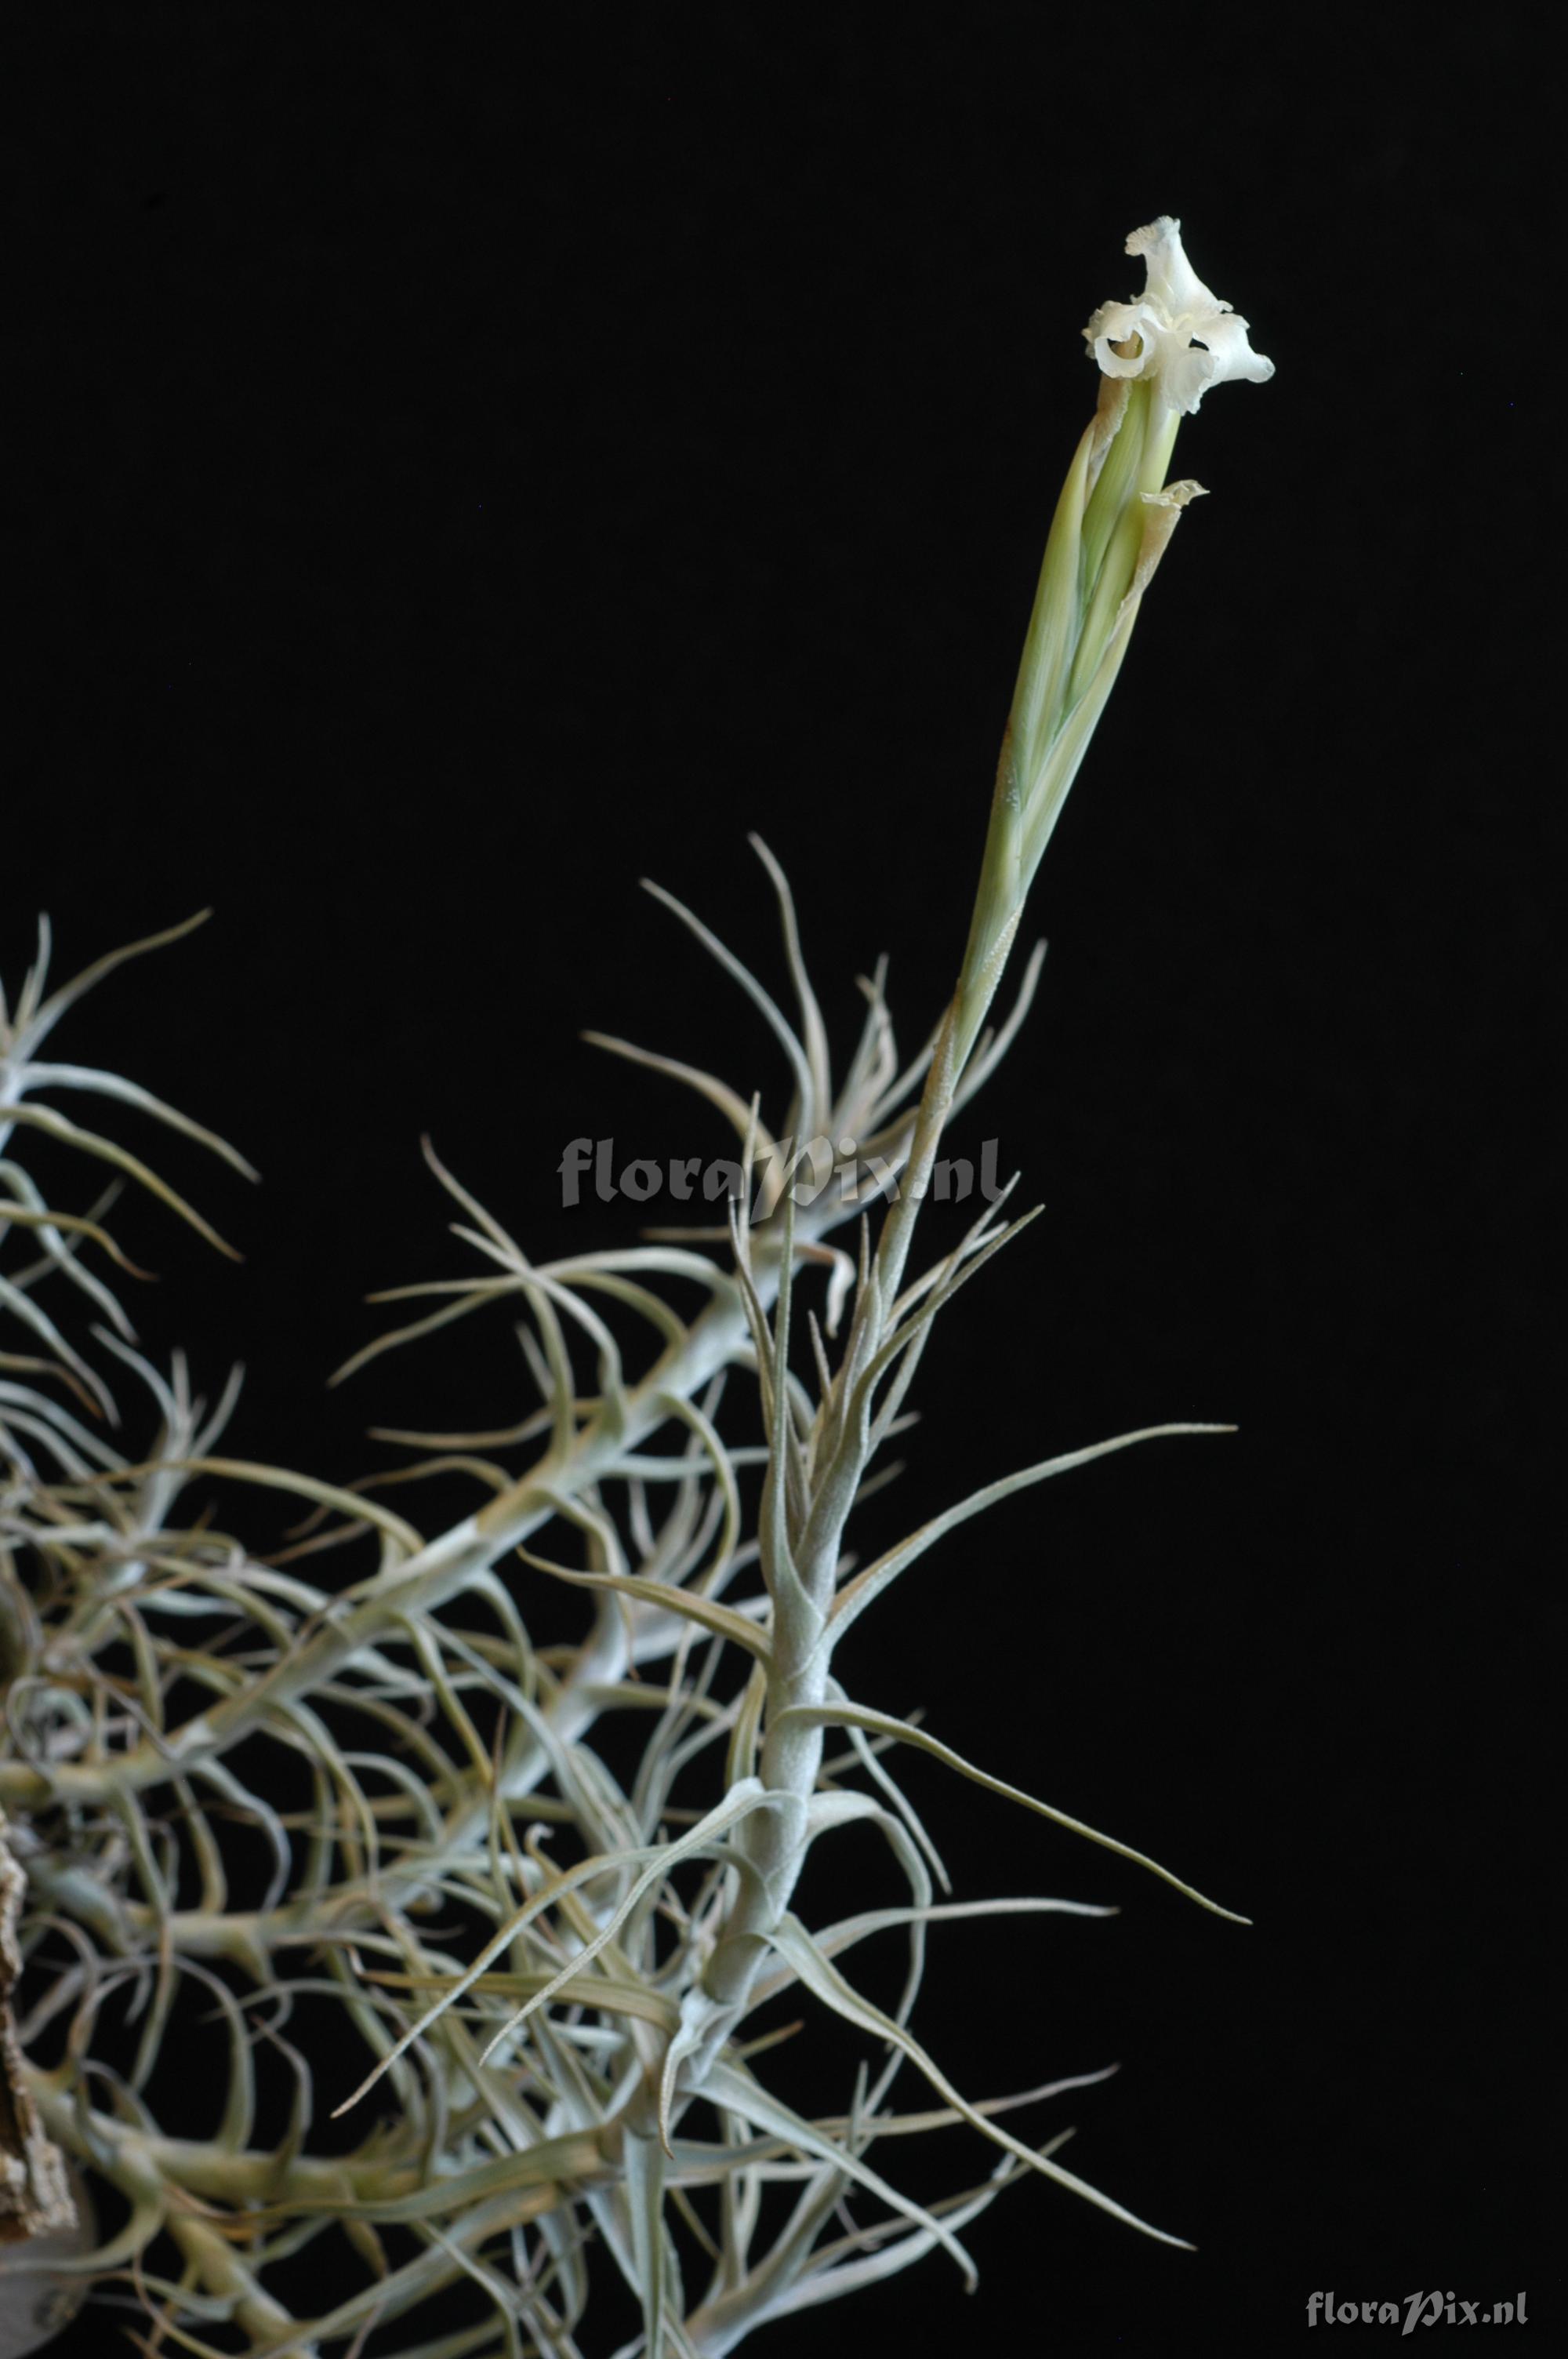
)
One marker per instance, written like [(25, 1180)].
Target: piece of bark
[(35, 2189)]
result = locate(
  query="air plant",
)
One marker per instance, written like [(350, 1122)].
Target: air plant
[(388, 1803)]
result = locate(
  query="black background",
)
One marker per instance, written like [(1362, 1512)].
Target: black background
[(456, 468)]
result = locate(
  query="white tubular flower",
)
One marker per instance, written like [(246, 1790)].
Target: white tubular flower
[(1180, 338)]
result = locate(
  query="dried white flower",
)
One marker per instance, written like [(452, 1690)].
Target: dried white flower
[(1179, 337)]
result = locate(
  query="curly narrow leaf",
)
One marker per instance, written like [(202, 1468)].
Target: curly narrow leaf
[(110, 1085), (721, 1620), (36, 1017), (880, 1723), (655, 1861), (856, 1595), (800, 1065), (730, 2085), (90, 1142), (650, 2246), (795, 1944)]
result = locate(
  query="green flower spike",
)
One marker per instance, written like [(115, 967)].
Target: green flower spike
[(1113, 522)]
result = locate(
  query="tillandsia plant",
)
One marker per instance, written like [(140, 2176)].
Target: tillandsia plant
[(388, 1808)]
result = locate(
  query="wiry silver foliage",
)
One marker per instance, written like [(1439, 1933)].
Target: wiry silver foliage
[(545, 2071), (391, 1802)]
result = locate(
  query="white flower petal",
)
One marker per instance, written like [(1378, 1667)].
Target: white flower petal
[(1226, 337), (1123, 323), (1184, 337), (1172, 281), (1185, 374)]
